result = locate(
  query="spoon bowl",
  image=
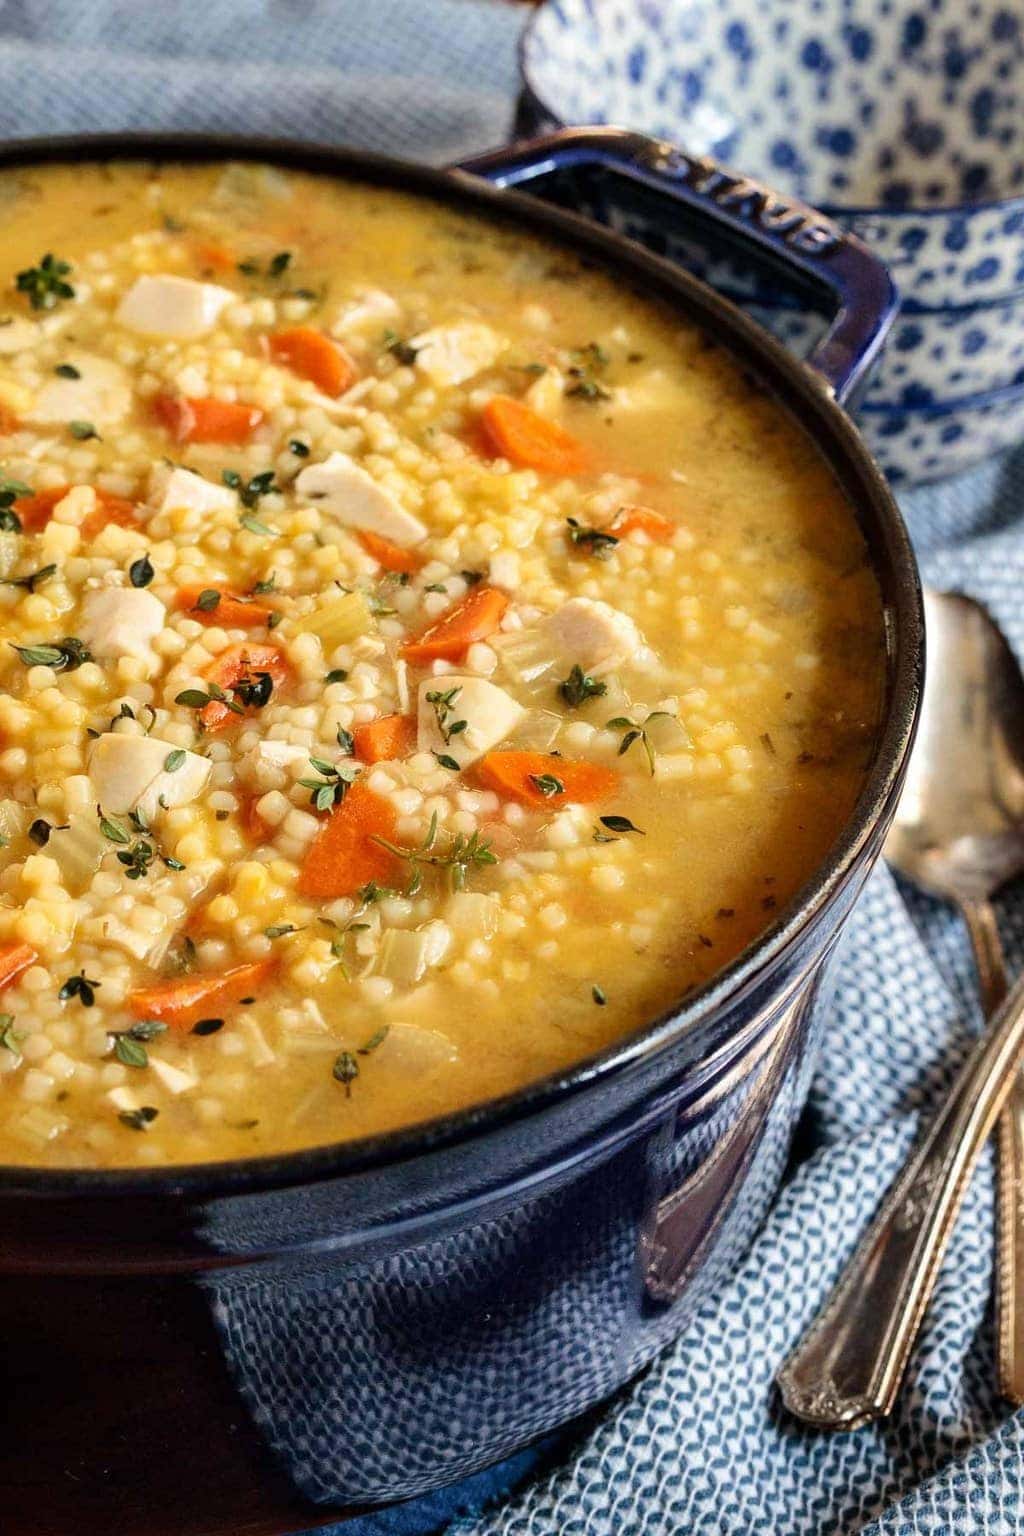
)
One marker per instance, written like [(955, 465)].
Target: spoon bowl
[(959, 827)]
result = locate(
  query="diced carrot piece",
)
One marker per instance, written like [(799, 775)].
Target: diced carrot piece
[(184, 1001), (514, 776), (642, 520), (474, 618), (230, 667), (253, 821), (207, 420), (8, 421), (391, 556), (313, 356), (210, 254), (15, 958), (390, 736), (343, 856), (36, 510), (231, 612), (518, 433), (110, 509)]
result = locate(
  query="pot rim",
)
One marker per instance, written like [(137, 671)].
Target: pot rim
[(554, 120), (793, 386)]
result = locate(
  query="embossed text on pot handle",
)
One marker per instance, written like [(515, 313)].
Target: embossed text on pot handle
[(776, 229), (848, 1367)]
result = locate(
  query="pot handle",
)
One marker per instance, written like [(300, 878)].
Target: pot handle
[(779, 230)]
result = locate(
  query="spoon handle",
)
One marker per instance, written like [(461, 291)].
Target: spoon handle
[(991, 966), (848, 1367)]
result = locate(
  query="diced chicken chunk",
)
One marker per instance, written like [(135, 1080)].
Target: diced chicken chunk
[(121, 621), (450, 354), (546, 394), (489, 712), (129, 773), (174, 1079), (101, 394), (591, 632), (367, 306), (165, 305), (171, 488), (267, 765), (340, 487)]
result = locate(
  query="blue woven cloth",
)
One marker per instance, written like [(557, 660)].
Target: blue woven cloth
[(698, 1445)]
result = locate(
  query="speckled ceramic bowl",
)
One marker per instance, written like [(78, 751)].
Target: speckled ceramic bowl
[(903, 120)]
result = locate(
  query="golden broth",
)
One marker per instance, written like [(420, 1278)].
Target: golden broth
[(736, 609)]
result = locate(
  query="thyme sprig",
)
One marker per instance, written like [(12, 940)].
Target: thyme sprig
[(461, 855)]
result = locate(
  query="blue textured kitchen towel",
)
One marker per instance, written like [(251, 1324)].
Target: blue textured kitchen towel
[(697, 1447)]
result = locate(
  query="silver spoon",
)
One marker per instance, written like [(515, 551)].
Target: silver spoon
[(959, 834)]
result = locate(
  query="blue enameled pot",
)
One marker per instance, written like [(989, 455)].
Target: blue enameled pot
[(259, 1347)]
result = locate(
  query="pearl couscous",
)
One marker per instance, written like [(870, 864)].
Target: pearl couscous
[(422, 661)]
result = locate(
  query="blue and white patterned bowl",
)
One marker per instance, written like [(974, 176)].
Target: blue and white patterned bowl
[(905, 120), (902, 119)]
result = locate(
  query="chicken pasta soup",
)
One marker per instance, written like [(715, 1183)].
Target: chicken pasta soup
[(423, 661)]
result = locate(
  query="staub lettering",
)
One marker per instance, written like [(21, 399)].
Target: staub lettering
[(795, 223)]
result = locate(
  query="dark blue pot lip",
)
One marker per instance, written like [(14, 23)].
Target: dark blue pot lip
[(547, 113), (793, 386)]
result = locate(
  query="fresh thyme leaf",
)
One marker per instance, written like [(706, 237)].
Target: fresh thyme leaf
[(39, 832), (447, 762), (330, 790), (112, 830), (443, 702), (82, 431), (181, 956), (146, 1029), (80, 986), (275, 266), (584, 384), (403, 351), (336, 675), (10, 491), (471, 577), (10, 1039), (597, 993), (269, 584), (140, 572), (254, 525), (32, 580), (346, 1070), (634, 731), (131, 1053), (46, 284), (300, 449), (578, 687), (174, 760), (547, 784), (620, 824), (66, 656), (207, 600), (377, 1038), (278, 930), (591, 541), (137, 859), (346, 741), (138, 1119), (206, 1027), (67, 371), (462, 854), (255, 690)]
